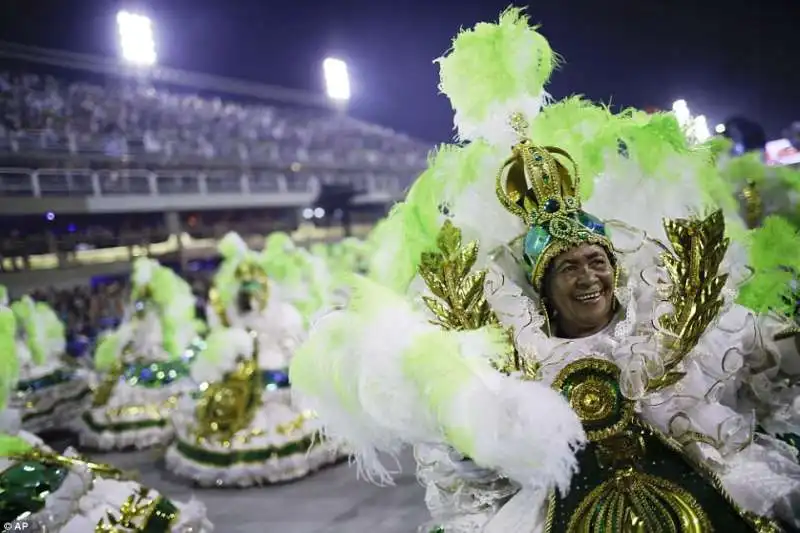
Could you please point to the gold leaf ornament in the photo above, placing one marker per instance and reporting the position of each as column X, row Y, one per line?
column 698, row 248
column 459, row 301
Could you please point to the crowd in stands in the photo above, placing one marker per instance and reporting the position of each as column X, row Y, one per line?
column 131, row 118
column 89, row 311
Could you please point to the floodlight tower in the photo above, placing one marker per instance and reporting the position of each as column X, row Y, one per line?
column 337, row 81
column 136, row 39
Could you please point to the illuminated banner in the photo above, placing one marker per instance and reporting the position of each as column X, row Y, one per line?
column 781, row 152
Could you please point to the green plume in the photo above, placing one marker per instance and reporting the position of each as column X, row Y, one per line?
column 494, row 64
column 774, row 248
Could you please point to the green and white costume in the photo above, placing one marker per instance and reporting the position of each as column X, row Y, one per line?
column 242, row 428
column 447, row 347
column 143, row 366
column 51, row 394
column 300, row 277
column 762, row 190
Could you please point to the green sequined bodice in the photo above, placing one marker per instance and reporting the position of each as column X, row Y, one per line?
column 633, row 479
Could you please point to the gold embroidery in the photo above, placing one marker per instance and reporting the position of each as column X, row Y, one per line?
column 592, row 390
column 631, row 501
column 134, row 514
column 634, row 502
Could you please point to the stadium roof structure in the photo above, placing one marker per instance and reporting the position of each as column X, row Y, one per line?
column 160, row 74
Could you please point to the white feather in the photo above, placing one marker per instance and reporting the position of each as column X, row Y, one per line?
column 143, row 270
column 495, row 127
column 209, row 368
column 623, row 192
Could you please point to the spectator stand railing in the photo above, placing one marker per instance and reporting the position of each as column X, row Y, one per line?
column 40, row 183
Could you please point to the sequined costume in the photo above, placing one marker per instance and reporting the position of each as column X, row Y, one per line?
column 242, row 428
column 143, row 366
column 41, row 490
column 50, row 393
column 646, row 424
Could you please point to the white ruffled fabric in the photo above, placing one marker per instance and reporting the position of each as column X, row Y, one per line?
column 107, row 495
column 56, row 406
column 162, row 400
column 267, row 431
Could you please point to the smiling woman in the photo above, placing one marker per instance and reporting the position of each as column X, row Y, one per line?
column 580, row 287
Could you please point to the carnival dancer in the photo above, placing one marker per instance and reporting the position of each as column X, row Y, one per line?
column 45, row 491
column 143, row 365
column 763, row 190
column 558, row 370
column 51, row 393
column 242, row 429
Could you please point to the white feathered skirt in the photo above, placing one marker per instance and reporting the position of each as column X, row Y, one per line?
column 281, row 444
column 137, row 412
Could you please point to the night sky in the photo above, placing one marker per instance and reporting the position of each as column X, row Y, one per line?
column 723, row 57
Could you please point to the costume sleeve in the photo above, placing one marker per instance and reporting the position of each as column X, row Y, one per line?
column 710, row 412
column 460, row 495
column 380, row 377
column 773, row 379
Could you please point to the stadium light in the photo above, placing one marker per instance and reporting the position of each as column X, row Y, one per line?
column 701, row 131
column 136, row 39
column 337, row 79
column 681, row 110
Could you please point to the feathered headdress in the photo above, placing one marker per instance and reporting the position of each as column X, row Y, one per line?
column 241, row 269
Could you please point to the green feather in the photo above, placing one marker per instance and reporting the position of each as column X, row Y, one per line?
column 774, row 247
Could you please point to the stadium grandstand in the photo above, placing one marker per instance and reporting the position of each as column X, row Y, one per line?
column 102, row 161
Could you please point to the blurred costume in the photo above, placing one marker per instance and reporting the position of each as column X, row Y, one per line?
column 45, row 491
column 477, row 338
column 50, row 393
column 242, row 428
column 346, row 258
column 762, row 190
column 297, row 276
column 143, row 366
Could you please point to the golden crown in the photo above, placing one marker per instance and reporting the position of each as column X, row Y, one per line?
column 536, row 186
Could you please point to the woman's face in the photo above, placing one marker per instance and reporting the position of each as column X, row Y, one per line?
column 580, row 290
